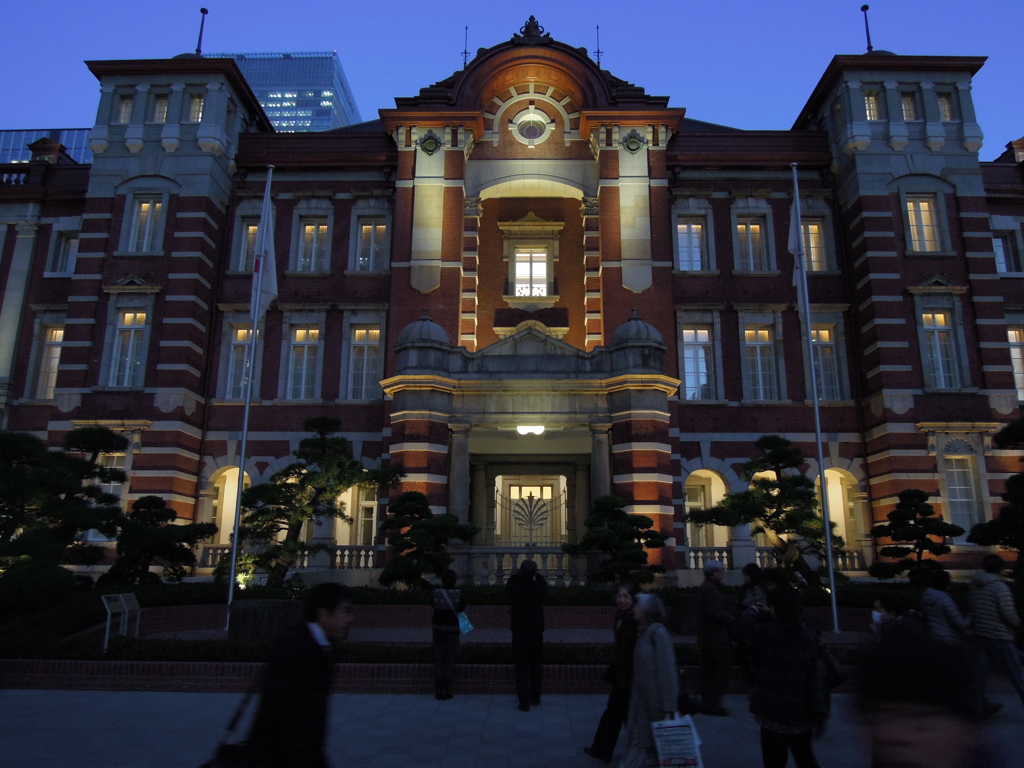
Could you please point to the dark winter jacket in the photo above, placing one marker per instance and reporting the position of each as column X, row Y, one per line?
column 713, row 619
column 625, row 645
column 785, row 653
column 993, row 614
column 945, row 622
column 527, row 598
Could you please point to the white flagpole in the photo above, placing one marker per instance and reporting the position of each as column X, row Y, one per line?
column 796, row 242
column 256, row 310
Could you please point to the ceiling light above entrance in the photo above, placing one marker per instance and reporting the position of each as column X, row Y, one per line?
column 526, row 430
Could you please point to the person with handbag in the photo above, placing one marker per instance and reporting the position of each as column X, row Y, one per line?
column 787, row 691
column 655, row 689
column 448, row 603
column 620, row 675
column 291, row 724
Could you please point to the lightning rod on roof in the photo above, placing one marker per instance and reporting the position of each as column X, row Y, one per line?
column 598, row 51
column 199, row 45
column 867, row 29
column 465, row 48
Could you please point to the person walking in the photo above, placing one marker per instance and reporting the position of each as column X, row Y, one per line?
column 993, row 621
column 713, row 622
column 291, row 723
column 526, row 590
column 655, row 688
column 444, row 624
column 785, row 654
column 751, row 608
column 945, row 622
column 620, row 675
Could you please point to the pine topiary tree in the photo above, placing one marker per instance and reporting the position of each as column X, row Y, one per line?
column 420, row 539
column 915, row 531
column 623, row 540
column 1006, row 530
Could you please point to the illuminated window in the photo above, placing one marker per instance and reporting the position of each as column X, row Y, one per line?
column 692, row 249
column 826, row 367
column 1016, row 339
column 814, row 244
column 195, row 108
column 873, row 105
column 364, row 378
column 147, row 220
column 49, row 360
column 531, row 273
column 370, row 248
column 922, row 223
column 698, row 363
column 115, row 461
column 303, row 362
column 247, row 246
column 753, row 254
column 947, row 112
column 312, row 245
column 1004, row 245
column 124, row 109
column 159, row 109
column 761, row 379
column 241, row 336
column 129, row 350
column 366, row 521
column 939, row 353
column 65, row 254
column 908, row 103
column 961, row 480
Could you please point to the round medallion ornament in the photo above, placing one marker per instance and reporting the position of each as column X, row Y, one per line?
column 430, row 143
column 634, row 142
column 531, row 126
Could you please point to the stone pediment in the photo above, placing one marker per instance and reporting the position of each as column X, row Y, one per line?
column 530, row 342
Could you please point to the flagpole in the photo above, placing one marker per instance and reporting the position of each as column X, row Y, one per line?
column 250, row 365
column 804, row 304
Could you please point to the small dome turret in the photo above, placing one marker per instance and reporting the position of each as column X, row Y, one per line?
column 423, row 330
column 636, row 329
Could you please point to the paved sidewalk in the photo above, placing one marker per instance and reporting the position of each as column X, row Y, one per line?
column 79, row 729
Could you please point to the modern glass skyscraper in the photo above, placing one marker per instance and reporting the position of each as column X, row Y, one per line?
column 304, row 91
column 14, row 144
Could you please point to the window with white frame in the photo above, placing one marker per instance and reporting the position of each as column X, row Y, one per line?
column 303, row 362
column 753, row 251
column 1004, row 246
column 366, row 519
column 128, row 360
column 312, row 252
column 942, row 369
column 873, row 105
column 761, row 380
column 908, row 103
column 245, row 257
column 112, row 461
column 947, row 107
column 364, row 355
column 65, row 254
column 146, row 224
column 922, row 223
column 124, row 109
column 691, row 244
column 195, row 108
column 697, row 497
column 826, row 362
column 960, row 477
column 160, row 105
column 370, row 253
column 531, row 272
column 699, row 362
column 815, row 257
column 51, row 338
column 238, row 354
column 1015, row 336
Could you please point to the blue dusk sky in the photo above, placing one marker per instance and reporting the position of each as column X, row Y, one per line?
column 739, row 63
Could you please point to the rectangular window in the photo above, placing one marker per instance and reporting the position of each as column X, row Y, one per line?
column 698, row 364
column 241, row 336
column 908, row 101
column 312, row 245
column 112, row 461
column 247, row 250
column 814, row 244
column 939, row 352
column 366, row 522
column 696, row 498
column 365, row 374
column 873, row 105
column 947, row 113
column 1016, row 338
column 531, row 273
column 922, row 223
column 65, row 254
column 126, row 369
column 147, row 218
column 124, row 109
column 160, row 109
column 826, row 365
column 962, row 491
column 753, row 256
column 195, row 109
column 692, row 250
column 370, row 255
column 304, row 354
column 49, row 360
column 1004, row 245
column 760, row 354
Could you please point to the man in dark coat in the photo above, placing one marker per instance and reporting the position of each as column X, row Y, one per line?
column 291, row 724
column 713, row 622
column 526, row 590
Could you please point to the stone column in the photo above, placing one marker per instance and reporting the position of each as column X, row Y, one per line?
column 99, row 136
column 458, row 473
column 490, row 520
column 170, row 134
column 478, row 510
column 133, row 135
column 600, row 461
column 894, row 107
column 973, row 137
column 934, row 130
column 743, row 547
column 14, row 301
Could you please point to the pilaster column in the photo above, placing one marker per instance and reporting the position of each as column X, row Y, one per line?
column 458, row 473
column 133, row 133
column 99, row 136
column 894, row 108
column 744, row 548
column 935, row 131
column 14, row 298
column 973, row 137
column 210, row 135
column 170, row 135
column 490, row 517
column 600, row 461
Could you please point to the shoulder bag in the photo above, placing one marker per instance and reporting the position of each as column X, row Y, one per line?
column 233, row 754
column 465, row 625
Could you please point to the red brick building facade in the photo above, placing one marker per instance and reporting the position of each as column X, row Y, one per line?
column 530, row 242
